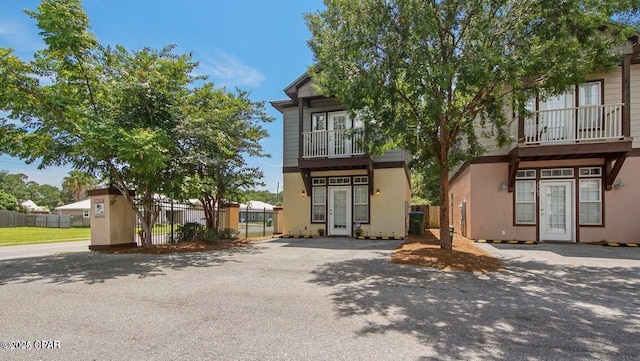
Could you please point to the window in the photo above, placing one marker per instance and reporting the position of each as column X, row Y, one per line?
column 591, row 171
column 360, row 180
column 361, row 204
column 526, row 174
column 590, row 201
column 319, row 204
column 526, row 202
column 319, row 181
column 589, row 99
column 85, row 213
column 556, row 173
column 591, row 196
column 318, row 122
column 339, row 180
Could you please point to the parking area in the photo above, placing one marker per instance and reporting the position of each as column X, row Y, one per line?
column 324, row 299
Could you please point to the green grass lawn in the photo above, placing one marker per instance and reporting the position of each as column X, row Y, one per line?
column 32, row 235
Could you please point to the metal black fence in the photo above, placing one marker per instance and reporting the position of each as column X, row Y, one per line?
column 171, row 214
column 256, row 222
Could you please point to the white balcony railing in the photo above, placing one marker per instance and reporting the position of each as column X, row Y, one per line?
column 332, row 143
column 587, row 123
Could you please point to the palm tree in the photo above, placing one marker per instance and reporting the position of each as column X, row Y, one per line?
column 77, row 183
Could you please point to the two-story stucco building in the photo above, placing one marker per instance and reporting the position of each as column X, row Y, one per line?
column 573, row 173
column 330, row 182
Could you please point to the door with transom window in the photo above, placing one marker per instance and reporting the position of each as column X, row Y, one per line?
column 339, row 211
column 556, row 211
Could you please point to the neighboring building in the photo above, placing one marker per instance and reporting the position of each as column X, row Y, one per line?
column 77, row 209
column 329, row 181
column 572, row 175
column 255, row 211
column 32, row 207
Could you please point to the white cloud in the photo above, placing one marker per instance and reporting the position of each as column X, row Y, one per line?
column 226, row 69
column 20, row 36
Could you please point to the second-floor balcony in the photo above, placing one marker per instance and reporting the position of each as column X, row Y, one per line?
column 332, row 143
column 592, row 123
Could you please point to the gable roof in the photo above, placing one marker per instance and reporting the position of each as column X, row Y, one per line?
column 292, row 89
column 82, row 205
column 33, row 207
column 256, row 206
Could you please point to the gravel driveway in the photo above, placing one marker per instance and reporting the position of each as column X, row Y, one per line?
column 322, row 299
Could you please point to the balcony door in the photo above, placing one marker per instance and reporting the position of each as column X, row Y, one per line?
column 339, row 141
column 339, row 211
column 557, row 117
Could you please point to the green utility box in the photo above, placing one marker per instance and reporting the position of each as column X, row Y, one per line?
column 416, row 223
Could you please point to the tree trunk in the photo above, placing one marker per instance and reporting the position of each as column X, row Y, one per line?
column 445, row 239
column 148, row 221
column 219, row 212
column 209, row 211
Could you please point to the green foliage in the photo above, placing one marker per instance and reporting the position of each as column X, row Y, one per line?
column 190, row 231
column 19, row 186
column 426, row 75
column 262, row 196
column 8, row 202
column 221, row 132
column 134, row 118
column 76, row 184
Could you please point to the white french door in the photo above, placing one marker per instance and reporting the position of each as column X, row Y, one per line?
column 557, row 115
column 339, row 211
column 557, row 221
column 339, row 142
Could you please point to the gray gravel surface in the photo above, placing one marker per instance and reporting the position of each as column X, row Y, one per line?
column 323, row 299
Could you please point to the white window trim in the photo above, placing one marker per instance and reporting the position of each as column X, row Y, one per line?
column 561, row 170
column 534, row 202
column 525, row 175
column 339, row 180
column 599, row 201
column 322, row 204
column 366, row 203
column 591, row 172
column 361, row 180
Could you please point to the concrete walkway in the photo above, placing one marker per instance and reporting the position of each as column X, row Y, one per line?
column 318, row 299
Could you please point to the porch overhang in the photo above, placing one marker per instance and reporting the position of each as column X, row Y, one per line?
column 613, row 152
column 307, row 166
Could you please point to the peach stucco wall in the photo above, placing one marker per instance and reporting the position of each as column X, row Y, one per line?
column 490, row 210
column 116, row 225
column 621, row 209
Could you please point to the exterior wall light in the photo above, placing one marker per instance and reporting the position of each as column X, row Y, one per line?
column 378, row 191
column 619, row 183
column 303, row 193
column 502, row 186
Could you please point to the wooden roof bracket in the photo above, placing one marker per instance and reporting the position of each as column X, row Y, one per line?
column 514, row 162
column 612, row 169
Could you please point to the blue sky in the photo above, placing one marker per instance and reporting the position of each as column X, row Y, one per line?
column 256, row 45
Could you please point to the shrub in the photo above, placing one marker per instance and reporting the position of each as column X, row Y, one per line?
column 228, row 233
column 189, row 231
